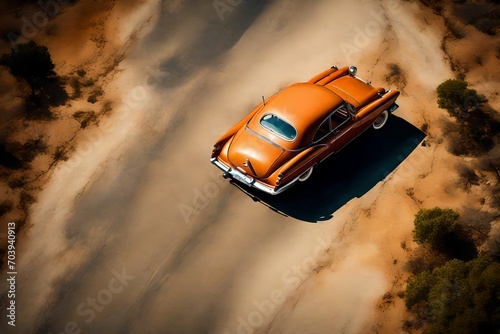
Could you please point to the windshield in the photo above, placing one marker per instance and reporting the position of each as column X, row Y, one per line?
column 278, row 126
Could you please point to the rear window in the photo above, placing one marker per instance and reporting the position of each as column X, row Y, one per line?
column 278, row 126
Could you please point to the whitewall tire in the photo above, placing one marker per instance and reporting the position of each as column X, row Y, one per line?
column 307, row 174
column 381, row 120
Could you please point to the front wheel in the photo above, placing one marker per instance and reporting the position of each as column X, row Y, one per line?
column 307, row 174
column 381, row 120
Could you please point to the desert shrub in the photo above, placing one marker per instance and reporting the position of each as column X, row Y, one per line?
column 18, row 156
column 25, row 200
column 431, row 225
column 491, row 163
column 441, row 231
column 92, row 98
column 95, row 94
column 84, row 117
column 467, row 175
column 456, row 97
column 107, row 106
column 396, row 76
column 31, row 148
column 7, row 159
column 31, row 62
column 425, row 127
column 477, row 222
column 478, row 123
column 5, row 206
column 60, row 154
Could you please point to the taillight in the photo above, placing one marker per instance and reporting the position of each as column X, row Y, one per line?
column 279, row 178
column 215, row 150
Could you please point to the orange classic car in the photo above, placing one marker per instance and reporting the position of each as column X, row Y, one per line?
column 285, row 137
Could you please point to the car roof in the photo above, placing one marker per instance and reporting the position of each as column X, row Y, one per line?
column 304, row 106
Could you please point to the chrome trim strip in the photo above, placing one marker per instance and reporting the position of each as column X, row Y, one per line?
column 346, row 93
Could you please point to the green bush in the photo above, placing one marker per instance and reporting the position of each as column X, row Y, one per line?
column 440, row 230
column 478, row 121
column 418, row 288
column 455, row 96
column 432, row 225
column 462, row 296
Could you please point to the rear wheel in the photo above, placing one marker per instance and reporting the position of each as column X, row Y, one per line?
column 307, row 174
column 381, row 120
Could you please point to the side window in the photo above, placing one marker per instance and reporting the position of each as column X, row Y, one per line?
column 339, row 116
column 342, row 113
column 352, row 111
column 323, row 130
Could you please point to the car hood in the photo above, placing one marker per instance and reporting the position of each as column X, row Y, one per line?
column 253, row 154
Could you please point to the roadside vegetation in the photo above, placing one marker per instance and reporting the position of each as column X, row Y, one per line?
column 454, row 284
column 25, row 153
column 476, row 127
column 40, row 89
column 454, row 288
column 32, row 66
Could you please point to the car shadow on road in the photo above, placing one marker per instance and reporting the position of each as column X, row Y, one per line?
column 349, row 174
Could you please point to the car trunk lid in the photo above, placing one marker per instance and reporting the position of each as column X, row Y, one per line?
column 252, row 154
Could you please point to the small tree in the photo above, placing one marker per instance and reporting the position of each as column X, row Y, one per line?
column 456, row 97
column 31, row 62
column 432, row 225
column 478, row 121
column 440, row 229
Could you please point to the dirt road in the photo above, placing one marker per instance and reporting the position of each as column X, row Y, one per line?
column 138, row 233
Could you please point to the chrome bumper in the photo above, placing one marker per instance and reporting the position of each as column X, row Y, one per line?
column 247, row 180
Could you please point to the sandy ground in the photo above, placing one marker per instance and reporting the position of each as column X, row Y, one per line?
column 138, row 233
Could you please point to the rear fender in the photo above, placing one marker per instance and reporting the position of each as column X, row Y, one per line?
column 322, row 75
column 289, row 169
column 380, row 104
column 335, row 75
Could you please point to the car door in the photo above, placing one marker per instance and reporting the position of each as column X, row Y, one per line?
column 322, row 137
column 343, row 128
